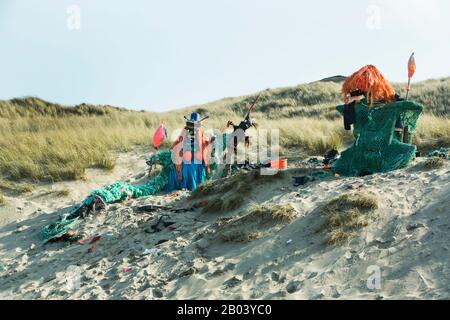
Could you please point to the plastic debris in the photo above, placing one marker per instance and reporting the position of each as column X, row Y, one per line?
column 83, row 241
column 126, row 269
column 95, row 239
column 289, row 242
column 151, row 251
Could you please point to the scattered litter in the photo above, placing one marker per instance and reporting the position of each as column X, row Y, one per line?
column 289, row 242
column 415, row 226
column 293, row 286
column 95, row 239
column 127, row 269
column 172, row 228
column 161, row 223
column 83, row 241
column 348, row 255
column 19, row 229
column 89, row 240
column 302, row 180
column 152, row 251
column 161, row 241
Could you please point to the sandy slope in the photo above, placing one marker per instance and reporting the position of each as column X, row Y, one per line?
column 408, row 241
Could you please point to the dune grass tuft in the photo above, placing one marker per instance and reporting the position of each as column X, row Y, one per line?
column 229, row 194
column 256, row 223
column 62, row 193
column 16, row 187
column 434, row 163
column 348, row 213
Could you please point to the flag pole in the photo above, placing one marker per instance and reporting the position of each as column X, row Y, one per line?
column 411, row 71
column 408, row 88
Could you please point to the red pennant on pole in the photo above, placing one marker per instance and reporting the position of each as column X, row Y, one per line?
column 411, row 66
column 411, row 71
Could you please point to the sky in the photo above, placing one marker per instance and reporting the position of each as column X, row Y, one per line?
column 162, row 55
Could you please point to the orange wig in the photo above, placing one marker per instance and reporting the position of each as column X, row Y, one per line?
column 370, row 82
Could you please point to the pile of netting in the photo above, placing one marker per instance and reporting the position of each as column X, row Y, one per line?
column 377, row 147
column 115, row 192
column 440, row 153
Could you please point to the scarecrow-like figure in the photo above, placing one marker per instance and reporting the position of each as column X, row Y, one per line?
column 239, row 133
column 191, row 154
column 376, row 113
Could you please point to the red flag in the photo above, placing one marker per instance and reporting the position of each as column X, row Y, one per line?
column 159, row 136
column 411, row 66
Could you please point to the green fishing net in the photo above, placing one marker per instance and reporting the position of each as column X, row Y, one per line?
column 377, row 148
column 115, row 192
column 441, row 153
column 120, row 191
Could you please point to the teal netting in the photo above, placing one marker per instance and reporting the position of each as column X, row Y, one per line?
column 115, row 192
column 376, row 147
column 441, row 153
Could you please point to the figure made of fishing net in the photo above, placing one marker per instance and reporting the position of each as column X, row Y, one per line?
column 191, row 155
column 377, row 115
column 239, row 132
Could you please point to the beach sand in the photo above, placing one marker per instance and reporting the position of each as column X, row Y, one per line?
column 407, row 242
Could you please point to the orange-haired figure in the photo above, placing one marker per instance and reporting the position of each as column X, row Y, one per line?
column 373, row 109
column 368, row 81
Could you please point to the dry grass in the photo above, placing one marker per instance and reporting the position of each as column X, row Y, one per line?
column 432, row 132
column 348, row 213
column 19, row 188
column 2, row 200
column 62, row 193
column 434, row 163
column 42, row 141
column 229, row 194
column 256, row 223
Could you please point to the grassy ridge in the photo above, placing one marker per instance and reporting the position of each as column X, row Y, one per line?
column 43, row 141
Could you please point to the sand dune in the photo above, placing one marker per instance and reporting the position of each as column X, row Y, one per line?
column 407, row 241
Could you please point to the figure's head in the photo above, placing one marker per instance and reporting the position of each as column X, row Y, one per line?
column 195, row 116
column 368, row 82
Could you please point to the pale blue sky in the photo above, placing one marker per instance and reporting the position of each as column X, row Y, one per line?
column 159, row 55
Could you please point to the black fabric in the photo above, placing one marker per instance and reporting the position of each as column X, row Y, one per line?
column 398, row 98
column 244, row 125
column 356, row 93
column 349, row 115
column 330, row 156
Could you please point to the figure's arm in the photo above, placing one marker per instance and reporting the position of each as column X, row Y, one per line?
column 405, row 105
column 409, row 111
column 177, row 141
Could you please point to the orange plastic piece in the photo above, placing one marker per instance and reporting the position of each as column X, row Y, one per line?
column 279, row 164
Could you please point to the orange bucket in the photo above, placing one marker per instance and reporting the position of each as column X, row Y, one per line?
column 279, row 164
